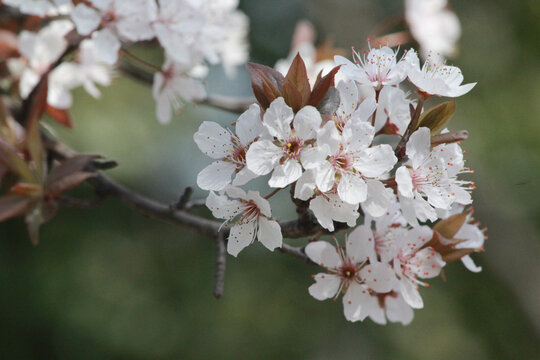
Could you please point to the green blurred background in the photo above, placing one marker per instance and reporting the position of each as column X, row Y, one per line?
column 107, row 283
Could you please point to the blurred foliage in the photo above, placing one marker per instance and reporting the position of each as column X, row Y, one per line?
column 107, row 283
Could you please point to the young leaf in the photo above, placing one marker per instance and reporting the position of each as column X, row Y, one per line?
column 10, row 158
column 266, row 82
column 68, row 182
column 437, row 117
column 61, row 116
column 321, row 87
column 13, row 205
column 296, row 90
column 68, row 167
column 450, row 226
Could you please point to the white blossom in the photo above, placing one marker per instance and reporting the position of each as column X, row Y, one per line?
column 282, row 156
column 171, row 86
column 435, row 77
column 349, row 272
column 41, row 8
column 230, row 150
column 433, row 26
column 377, row 68
column 251, row 215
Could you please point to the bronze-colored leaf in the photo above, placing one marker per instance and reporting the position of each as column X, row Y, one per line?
column 68, row 182
column 69, row 166
column 321, row 87
column 449, row 227
column 437, row 117
column 266, row 82
column 26, row 189
column 297, row 79
column 13, row 205
column 61, row 116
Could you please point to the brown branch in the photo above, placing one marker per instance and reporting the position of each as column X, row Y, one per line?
column 400, row 148
column 450, row 137
column 221, row 263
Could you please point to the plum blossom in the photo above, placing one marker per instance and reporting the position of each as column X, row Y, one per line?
column 355, row 272
column 435, row 77
column 433, row 26
column 292, row 133
column 230, row 150
column 172, row 85
column 193, row 30
column 350, row 108
column 41, row 50
column 433, row 174
column 41, row 8
column 327, row 207
column 389, row 306
column 393, row 113
column 128, row 20
column 347, row 161
column 87, row 72
column 252, row 219
column 414, row 261
column 377, row 68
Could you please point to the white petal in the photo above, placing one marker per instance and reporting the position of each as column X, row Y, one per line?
column 365, row 110
column 378, row 199
column 404, row 181
column 410, row 294
column 305, row 186
column 358, row 135
column 278, row 118
column 107, row 45
column 313, row 157
column 419, row 146
column 379, row 277
column 348, row 95
column 269, row 233
column 376, row 161
column 324, row 254
column 328, row 210
column 470, row 265
column 285, row 174
column 213, row 140
column 85, row 18
column 307, row 122
column 325, row 176
column 243, row 177
column 426, row 263
column 222, row 207
column 354, row 300
column 352, row 188
column 397, row 310
column 240, row 236
column 415, row 239
column 262, row 203
column 361, row 244
column 263, row 156
column 473, row 236
column 249, row 125
column 216, row 176
column 326, row 286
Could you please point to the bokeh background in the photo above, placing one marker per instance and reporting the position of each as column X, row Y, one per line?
column 107, row 283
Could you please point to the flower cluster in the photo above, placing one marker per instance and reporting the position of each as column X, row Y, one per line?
column 363, row 146
column 191, row 33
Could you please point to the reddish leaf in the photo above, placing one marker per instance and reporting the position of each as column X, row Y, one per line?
column 59, row 115
column 26, row 189
column 456, row 254
column 13, row 205
column 266, row 82
column 321, row 87
column 450, row 226
column 297, row 79
column 68, row 182
column 67, row 167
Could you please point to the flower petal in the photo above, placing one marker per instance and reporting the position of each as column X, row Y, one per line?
column 241, row 236
column 326, row 286
column 285, row 174
column 378, row 276
column 419, row 147
column 213, row 140
column 216, row 176
column 249, row 125
column 269, row 233
column 278, row 118
column 410, row 294
column 324, row 254
column 360, row 244
column 352, row 188
column 307, row 122
column 222, row 207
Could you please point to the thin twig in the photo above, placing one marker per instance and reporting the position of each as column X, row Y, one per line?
column 450, row 137
column 298, row 252
column 400, row 148
column 221, row 264
column 273, row 193
column 186, row 195
column 138, row 60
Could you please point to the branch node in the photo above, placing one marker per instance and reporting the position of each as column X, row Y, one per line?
column 182, row 202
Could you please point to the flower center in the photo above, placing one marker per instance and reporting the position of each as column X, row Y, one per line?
column 293, row 148
column 250, row 211
column 341, row 162
column 348, row 271
column 239, row 157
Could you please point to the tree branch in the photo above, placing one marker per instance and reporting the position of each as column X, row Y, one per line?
column 221, row 262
